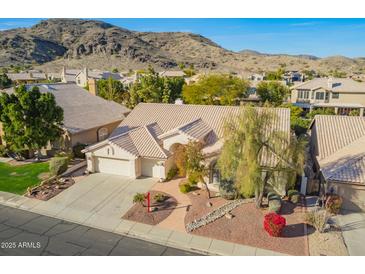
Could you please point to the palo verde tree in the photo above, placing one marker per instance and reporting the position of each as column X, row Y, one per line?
column 249, row 143
column 112, row 90
column 30, row 119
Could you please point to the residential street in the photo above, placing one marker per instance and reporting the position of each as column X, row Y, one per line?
column 26, row 233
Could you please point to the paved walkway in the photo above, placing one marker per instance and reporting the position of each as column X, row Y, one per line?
column 353, row 231
column 175, row 220
column 5, row 160
column 26, row 233
column 100, row 200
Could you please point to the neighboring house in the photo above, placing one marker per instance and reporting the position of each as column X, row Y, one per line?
column 256, row 77
column 27, row 77
column 293, row 76
column 338, row 151
column 69, row 75
column 87, row 118
column 253, row 97
column 172, row 73
column 83, row 76
column 343, row 95
column 144, row 143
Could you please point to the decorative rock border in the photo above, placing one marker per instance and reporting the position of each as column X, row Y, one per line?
column 216, row 214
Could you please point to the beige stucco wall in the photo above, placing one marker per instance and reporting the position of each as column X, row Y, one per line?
column 81, row 79
column 91, row 136
column 353, row 195
column 174, row 139
column 344, row 97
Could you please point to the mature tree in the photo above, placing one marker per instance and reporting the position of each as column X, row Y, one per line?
column 152, row 88
column 220, row 89
column 30, row 119
column 273, row 92
column 247, row 143
column 5, row 82
column 112, row 90
column 275, row 75
column 298, row 123
column 320, row 111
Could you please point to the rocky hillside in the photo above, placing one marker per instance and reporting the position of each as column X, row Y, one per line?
column 75, row 43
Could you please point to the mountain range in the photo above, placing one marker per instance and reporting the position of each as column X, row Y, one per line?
column 76, row 43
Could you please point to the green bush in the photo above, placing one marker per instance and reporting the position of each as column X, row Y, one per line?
column 3, row 151
column 172, row 173
column 294, row 196
column 185, row 187
column 159, row 197
column 77, row 150
column 227, row 190
column 275, row 205
column 58, row 165
column 193, row 179
column 139, row 198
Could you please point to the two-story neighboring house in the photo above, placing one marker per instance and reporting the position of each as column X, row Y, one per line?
column 341, row 94
column 83, row 76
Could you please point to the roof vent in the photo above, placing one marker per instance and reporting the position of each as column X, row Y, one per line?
column 179, row 101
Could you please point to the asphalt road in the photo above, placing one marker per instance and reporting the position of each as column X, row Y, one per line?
column 25, row 233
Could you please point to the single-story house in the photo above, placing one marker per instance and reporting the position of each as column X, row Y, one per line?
column 88, row 119
column 172, row 73
column 338, row 151
column 27, row 77
column 143, row 144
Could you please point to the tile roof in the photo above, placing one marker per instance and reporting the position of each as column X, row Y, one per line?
column 337, row 85
column 194, row 120
column 27, row 76
column 341, row 147
column 82, row 110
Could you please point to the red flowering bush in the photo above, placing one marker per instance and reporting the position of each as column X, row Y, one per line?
column 274, row 224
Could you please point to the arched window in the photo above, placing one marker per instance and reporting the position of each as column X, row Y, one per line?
column 102, row 134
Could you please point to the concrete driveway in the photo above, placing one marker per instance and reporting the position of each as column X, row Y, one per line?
column 98, row 200
column 353, row 231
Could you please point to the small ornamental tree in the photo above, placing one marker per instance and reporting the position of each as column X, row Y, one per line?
column 274, row 224
column 5, row 82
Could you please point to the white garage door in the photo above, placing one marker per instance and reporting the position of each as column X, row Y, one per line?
column 113, row 166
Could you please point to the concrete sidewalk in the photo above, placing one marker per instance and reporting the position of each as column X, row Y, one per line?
column 353, row 231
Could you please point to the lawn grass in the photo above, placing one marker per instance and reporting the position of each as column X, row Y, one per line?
column 16, row 179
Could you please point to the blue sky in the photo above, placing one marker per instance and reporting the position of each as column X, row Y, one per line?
column 320, row 37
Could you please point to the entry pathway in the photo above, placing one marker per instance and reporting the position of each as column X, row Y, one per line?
column 26, row 233
column 100, row 200
column 353, row 230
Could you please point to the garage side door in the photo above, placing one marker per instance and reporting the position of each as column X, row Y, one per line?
column 113, row 166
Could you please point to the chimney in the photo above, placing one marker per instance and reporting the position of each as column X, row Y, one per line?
column 93, row 88
column 30, row 75
column 86, row 72
column 330, row 83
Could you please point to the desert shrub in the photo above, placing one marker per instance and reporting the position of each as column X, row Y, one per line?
column 139, row 198
column 172, row 173
column 77, row 151
column 318, row 219
column 193, row 178
column 274, row 224
column 333, row 203
column 294, row 196
column 275, row 205
column 58, row 165
column 69, row 154
column 3, row 151
column 227, row 190
column 185, row 187
column 159, row 197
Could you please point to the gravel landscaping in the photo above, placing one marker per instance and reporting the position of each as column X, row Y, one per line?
column 246, row 226
column 138, row 212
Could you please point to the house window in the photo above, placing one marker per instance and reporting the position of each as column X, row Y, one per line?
column 303, row 94
column 319, row 95
column 102, row 134
column 335, row 95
